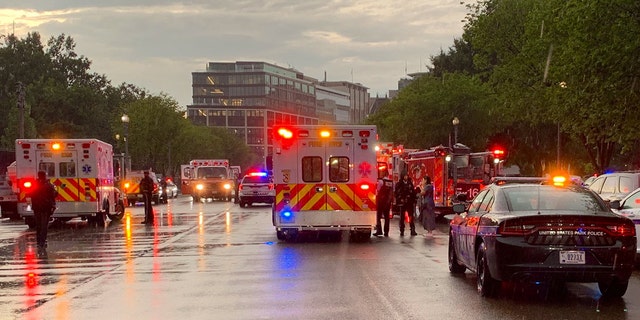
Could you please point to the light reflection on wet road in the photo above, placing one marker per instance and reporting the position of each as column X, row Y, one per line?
column 219, row 261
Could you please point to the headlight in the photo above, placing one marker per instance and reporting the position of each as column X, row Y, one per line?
column 227, row 186
column 199, row 186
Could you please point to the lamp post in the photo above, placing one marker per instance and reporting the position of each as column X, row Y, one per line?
column 125, row 122
column 455, row 123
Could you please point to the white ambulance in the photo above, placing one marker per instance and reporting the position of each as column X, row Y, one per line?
column 80, row 169
column 325, row 179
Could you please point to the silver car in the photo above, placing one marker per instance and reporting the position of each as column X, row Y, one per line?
column 629, row 207
column 615, row 186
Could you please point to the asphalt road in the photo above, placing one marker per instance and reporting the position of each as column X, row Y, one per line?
column 216, row 260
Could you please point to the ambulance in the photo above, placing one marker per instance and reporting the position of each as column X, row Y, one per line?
column 81, row 171
column 325, row 179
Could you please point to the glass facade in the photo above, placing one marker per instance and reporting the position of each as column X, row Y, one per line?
column 248, row 98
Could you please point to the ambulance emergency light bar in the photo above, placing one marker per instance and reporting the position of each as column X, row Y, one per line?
column 286, row 133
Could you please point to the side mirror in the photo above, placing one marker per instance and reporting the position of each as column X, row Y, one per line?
column 615, row 204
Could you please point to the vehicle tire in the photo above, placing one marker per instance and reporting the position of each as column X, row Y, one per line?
column 454, row 266
column 242, row 204
column 196, row 198
column 486, row 284
column 30, row 221
column 613, row 289
column 280, row 235
column 119, row 212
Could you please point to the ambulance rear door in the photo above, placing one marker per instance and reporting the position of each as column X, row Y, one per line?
column 61, row 168
column 325, row 172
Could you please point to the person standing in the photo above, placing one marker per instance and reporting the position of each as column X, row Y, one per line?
column 406, row 197
column 146, row 187
column 43, row 201
column 427, row 206
column 383, row 205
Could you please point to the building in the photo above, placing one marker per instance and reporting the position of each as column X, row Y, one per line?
column 249, row 97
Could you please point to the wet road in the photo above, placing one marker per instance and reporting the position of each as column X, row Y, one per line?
column 219, row 261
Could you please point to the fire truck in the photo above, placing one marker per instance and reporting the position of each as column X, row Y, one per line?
column 208, row 178
column 325, row 179
column 453, row 171
column 81, row 171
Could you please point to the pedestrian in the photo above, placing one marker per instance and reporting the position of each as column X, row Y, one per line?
column 384, row 191
column 427, row 206
column 43, row 202
column 146, row 187
column 406, row 197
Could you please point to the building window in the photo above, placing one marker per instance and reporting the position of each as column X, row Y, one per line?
column 255, row 118
column 236, row 118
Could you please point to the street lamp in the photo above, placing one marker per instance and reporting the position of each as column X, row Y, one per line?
column 125, row 122
column 455, row 123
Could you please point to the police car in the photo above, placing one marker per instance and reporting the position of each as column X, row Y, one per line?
column 256, row 187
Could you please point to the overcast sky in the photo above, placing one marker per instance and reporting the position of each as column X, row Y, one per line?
column 156, row 44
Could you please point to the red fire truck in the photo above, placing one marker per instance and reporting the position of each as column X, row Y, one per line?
column 453, row 171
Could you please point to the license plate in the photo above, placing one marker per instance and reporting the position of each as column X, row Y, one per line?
column 572, row 257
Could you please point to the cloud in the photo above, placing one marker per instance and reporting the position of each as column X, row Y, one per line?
column 157, row 44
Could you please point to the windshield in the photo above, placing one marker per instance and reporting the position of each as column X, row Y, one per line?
column 211, row 172
column 549, row 198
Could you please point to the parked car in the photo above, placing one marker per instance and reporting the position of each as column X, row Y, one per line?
column 614, row 186
column 629, row 207
column 523, row 230
column 256, row 187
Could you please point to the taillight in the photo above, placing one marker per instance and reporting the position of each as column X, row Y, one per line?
column 622, row 230
column 271, row 186
column 240, row 187
column 517, row 227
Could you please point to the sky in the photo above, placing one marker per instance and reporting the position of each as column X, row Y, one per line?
column 157, row 44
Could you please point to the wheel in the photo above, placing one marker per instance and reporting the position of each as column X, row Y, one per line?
column 119, row 212
column 280, row 235
column 454, row 266
column 242, row 204
column 486, row 284
column 613, row 289
column 196, row 198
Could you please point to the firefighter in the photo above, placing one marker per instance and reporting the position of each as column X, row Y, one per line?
column 406, row 197
column 43, row 200
column 383, row 204
column 146, row 187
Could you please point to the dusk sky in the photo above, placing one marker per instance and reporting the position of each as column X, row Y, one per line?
column 157, row 44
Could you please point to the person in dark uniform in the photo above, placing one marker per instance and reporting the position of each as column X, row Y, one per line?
column 146, row 187
column 384, row 192
column 43, row 201
column 406, row 196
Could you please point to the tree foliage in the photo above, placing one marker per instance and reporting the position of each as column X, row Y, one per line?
column 64, row 99
column 555, row 80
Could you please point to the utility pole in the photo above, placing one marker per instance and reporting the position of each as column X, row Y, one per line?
column 20, row 104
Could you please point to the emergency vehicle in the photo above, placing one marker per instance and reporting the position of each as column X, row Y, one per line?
column 8, row 196
column 453, row 171
column 208, row 178
column 325, row 179
column 81, row 171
